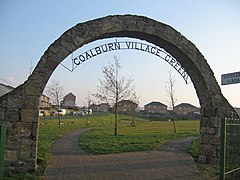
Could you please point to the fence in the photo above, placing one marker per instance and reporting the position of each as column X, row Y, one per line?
column 2, row 148
column 230, row 149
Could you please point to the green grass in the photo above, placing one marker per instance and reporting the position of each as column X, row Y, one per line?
column 49, row 131
column 145, row 136
column 211, row 171
column 194, row 149
column 23, row 176
column 100, row 140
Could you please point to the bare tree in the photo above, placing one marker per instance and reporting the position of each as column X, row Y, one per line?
column 171, row 94
column 114, row 88
column 55, row 92
column 89, row 101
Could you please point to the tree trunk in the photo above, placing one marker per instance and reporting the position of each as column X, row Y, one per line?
column 174, row 123
column 116, row 122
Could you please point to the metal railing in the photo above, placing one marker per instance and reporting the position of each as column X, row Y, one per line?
column 2, row 148
column 230, row 148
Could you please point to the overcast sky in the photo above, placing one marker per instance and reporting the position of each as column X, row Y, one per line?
column 28, row 27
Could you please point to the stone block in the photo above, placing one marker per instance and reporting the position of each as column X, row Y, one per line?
column 210, row 111
column 216, row 122
column 10, row 155
column 30, row 119
column 217, row 131
column 208, row 149
column 31, row 102
column 2, row 114
column 29, row 115
column 26, row 166
column 33, row 90
column 141, row 26
column 217, row 140
column 205, row 121
column 22, row 129
column 201, row 138
column 12, row 115
column 3, row 101
column 34, row 129
column 210, row 130
column 205, row 139
column 27, row 149
column 78, row 40
column 202, row 159
column 203, row 130
column 218, row 150
column 12, row 143
column 15, row 99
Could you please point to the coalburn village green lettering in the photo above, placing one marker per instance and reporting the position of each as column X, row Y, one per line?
column 132, row 46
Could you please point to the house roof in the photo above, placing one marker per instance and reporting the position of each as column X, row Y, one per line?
column 237, row 110
column 45, row 96
column 4, row 89
column 155, row 103
column 7, row 86
column 69, row 95
column 127, row 102
column 103, row 104
column 185, row 105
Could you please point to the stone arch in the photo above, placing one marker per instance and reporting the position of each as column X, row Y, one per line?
column 19, row 108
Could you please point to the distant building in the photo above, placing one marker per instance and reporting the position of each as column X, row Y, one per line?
column 44, row 102
column 155, row 108
column 238, row 111
column 69, row 101
column 4, row 89
column 127, row 106
column 104, row 107
column 185, row 109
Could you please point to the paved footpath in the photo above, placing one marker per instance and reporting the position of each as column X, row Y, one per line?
column 170, row 162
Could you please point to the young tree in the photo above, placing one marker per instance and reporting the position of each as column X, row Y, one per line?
column 55, row 92
column 114, row 88
column 89, row 101
column 171, row 94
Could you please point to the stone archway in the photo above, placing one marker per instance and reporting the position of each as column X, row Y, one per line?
column 19, row 108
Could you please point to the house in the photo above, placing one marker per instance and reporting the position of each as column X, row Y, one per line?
column 185, row 109
column 237, row 110
column 94, row 107
column 155, row 108
column 4, row 89
column 127, row 106
column 103, row 107
column 44, row 102
column 69, row 101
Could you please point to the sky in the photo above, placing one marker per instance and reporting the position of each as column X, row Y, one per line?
column 28, row 27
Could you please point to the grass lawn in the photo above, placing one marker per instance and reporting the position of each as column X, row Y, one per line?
column 49, row 131
column 100, row 140
column 145, row 136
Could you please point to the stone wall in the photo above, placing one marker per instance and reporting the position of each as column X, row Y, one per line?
column 210, row 139
column 20, row 115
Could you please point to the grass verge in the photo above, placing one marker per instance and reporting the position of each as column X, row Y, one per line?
column 211, row 171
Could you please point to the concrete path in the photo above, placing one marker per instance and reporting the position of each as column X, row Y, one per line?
column 170, row 161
